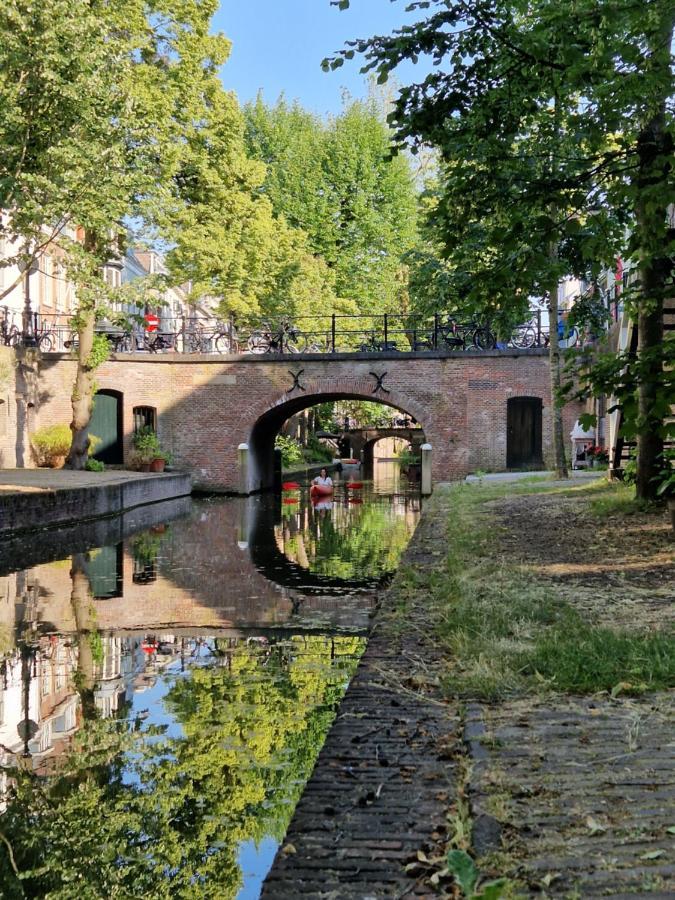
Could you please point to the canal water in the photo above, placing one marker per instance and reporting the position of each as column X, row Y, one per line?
column 167, row 679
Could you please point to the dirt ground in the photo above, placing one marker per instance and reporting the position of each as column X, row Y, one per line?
column 616, row 568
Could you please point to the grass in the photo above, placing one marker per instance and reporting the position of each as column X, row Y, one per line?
column 506, row 632
column 619, row 499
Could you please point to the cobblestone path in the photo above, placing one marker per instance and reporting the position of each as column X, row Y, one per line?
column 580, row 793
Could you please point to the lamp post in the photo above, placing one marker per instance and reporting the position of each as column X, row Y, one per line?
column 27, row 329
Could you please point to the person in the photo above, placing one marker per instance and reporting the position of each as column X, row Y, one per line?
column 323, row 479
column 338, row 467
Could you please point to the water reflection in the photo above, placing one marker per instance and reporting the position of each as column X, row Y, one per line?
column 163, row 696
column 208, row 746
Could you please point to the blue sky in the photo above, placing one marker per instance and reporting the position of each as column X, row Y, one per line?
column 278, row 45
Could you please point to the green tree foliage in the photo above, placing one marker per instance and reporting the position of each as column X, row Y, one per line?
column 338, row 182
column 132, row 813
column 94, row 98
column 228, row 240
column 555, row 125
column 112, row 115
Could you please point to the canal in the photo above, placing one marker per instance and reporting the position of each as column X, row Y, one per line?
column 168, row 678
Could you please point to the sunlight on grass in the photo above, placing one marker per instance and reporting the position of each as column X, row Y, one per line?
column 506, row 632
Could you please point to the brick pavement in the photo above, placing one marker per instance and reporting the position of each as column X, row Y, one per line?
column 385, row 777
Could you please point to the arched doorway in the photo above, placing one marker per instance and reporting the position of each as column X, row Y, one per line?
column 106, row 424
column 523, row 433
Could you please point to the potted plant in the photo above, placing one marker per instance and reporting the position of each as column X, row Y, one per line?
column 149, row 453
column 161, row 459
column 52, row 443
column 146, row 444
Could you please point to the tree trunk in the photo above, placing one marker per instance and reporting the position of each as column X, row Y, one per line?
column 559, row 462
column 655, row 147
column 81, row 602
column 82, row 396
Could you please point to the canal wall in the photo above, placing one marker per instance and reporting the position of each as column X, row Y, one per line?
column 44, row 497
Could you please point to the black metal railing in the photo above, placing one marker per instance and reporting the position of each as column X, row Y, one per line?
column 336, row 333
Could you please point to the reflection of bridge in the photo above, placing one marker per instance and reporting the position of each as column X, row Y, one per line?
column 200, row 568
column 477, row 410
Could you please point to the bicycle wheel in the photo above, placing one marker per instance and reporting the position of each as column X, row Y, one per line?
column 45, row 343
column 524, row 337
column 14, row 337
column 483, row 339
column 258, row 342
column 452, row 342
column 569, row 339
column 225, row 344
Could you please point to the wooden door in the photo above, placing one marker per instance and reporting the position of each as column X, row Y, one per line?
column 523, row 434
column 106, row 423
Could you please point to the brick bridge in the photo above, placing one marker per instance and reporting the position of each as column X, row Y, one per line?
column 482, row 410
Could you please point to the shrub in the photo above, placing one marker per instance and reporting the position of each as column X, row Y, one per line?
column 291, row 450
column 95, row 465
column 53, row 441
column 146, row 442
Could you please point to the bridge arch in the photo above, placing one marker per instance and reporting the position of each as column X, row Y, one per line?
column 269, row 423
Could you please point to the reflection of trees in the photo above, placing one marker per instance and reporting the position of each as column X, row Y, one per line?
column 131, row 813
column 353, row 542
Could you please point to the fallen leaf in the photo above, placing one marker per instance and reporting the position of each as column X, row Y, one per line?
column 594, row 826
column 653, row 854
column 288, row 849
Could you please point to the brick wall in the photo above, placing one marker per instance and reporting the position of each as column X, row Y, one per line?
column 207, row 407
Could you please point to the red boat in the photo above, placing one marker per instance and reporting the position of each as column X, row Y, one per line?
column 321, row 490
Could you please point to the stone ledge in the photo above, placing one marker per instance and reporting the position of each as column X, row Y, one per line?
column 42, row 498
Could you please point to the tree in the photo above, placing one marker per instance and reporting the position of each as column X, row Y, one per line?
column 338, row 182
column 93, row 101
column 226, row 238
column 553, row 122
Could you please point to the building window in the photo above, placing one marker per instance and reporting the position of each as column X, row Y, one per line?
column 145, row 417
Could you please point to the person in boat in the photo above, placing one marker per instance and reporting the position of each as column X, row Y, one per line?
column 323, row 479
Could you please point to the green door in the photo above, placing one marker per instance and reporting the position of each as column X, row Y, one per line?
column 106, row 423
column 104, row 568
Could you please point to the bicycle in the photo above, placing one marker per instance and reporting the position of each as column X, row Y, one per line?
column 9, row 333
column 375, row 345
column 285, row 339
column 156, row 341
column 468, row 336
column 222, row 339
column 524, row 337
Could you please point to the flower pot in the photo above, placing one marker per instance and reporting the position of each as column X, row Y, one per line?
column 145, row 467
column 157, row 465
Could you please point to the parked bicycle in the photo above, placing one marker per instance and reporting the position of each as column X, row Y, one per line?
column 524, row 337
column 465, row 336
column 10, row 335
column 374, row 345
column 284, row 339
column 156, row 341
column 222, row 338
